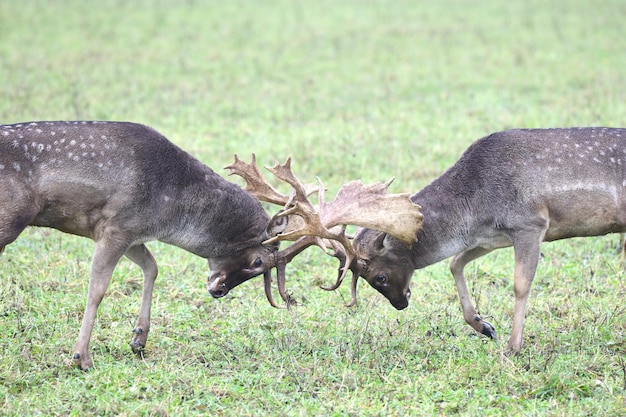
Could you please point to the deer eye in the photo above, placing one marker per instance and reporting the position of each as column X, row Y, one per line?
column 257, row 263
column 381, row 279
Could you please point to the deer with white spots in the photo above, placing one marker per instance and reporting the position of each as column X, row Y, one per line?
column 124, row 184
column 512, row 188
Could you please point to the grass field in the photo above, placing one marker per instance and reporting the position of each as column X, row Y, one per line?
column 351, row 89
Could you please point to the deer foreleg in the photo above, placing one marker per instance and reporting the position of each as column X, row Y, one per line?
column 471, row 316
column 141, row 256
column 104, row 261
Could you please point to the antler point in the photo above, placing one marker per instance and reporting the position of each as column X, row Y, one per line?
column 387, row 183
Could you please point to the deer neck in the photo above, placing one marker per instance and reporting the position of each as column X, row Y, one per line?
column 448, row 222
column 212, row 217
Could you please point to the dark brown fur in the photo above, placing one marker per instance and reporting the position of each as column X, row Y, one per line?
column 124, row 184
column 513, row 188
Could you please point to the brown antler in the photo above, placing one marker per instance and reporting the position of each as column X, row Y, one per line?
column 324, row 225
column 356, row 204
column 256, row 184
column 370, row 206
column 311, row 221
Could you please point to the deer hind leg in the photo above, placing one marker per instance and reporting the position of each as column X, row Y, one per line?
column 527, row 251
column 471, row 316
column 142, row 257
column 106, row 257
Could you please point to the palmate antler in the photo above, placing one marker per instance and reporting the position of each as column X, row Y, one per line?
column 368, row 206
column 324, row 225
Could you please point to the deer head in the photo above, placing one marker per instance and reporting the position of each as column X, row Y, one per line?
column 324, row 225
column 386, row 264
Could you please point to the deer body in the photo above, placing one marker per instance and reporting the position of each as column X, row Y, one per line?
column 513, row 188
column 122, row 185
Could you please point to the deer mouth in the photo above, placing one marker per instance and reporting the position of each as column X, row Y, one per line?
column 219, row 283
column 216, row 285
column 401, row 305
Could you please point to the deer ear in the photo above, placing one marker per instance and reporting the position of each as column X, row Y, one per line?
column 277, row 225
column 388, row 241
column 381, row 243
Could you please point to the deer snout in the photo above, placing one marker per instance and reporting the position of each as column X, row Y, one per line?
column 216, row 285
column 402, row 303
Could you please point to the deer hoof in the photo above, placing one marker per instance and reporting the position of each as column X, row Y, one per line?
column 137, row 347
column 84, row 363
column 488, row 330
column 508, row 352
column 138, row 344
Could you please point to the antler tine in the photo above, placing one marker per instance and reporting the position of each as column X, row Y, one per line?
column 299, row 205
column 256, row 184
column 346, row 257
column 267, row 284
column 284, row 173
column 341, row 273
column 355, row 282
column 285, row 256
column 301, row 191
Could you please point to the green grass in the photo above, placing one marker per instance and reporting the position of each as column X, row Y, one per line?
column 351, row 89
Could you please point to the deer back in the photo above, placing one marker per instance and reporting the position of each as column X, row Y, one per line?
column 575, row 175
column 572, row 178
column 83, row 177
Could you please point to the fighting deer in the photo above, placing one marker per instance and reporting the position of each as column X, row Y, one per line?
column 512, row 188
column 123, row 185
